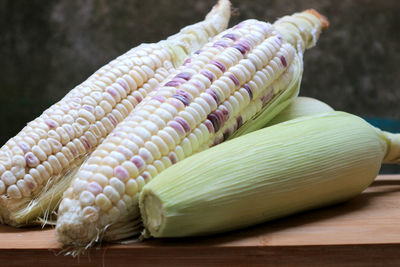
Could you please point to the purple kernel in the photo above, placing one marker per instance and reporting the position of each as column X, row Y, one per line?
column 184, row 93
column 182, row 99
column 183, row 75
column 240, row 48
column 172, row 84
column 214, row 95
column 220, row 116
column 225, row 111
column 31, row 160
column 112, row 119
column 239, row 121
column 86, row 143
column 145, row 175
column 283, row 60
column 124, row 84
column 89, row 108
column 177, row 104
column 234, row 79
column 94, row 188
column 24, row 146
column 230, row 36
column 226, row 135
column 198, row 52
column 248, row 89
column 220, row 43
column 265, row 98
column 159, row 98
column 179, row 80
column 138, row 98
column 139, row 162
column 121, row 173
column 209, row 126
column 183, row 123
column 219, row 65
column 208, row 74
column 112, row 91
column 245, row 44
column 215, row 121
column 177, row 127
column 187, row 61
column 51, row 123
column 172, row 157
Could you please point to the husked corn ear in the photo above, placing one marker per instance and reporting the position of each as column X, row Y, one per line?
column 216, row 90
column 290, row 167
column 32, row 162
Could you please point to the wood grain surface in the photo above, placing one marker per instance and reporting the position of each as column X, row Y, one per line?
column 364, row 231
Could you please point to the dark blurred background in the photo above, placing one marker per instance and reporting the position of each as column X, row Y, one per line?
column 48, row 47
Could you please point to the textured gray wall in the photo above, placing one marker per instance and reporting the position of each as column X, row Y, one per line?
column 48, row 47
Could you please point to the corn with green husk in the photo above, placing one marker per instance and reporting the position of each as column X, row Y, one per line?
column 37, row 165
column 224, row 84
column 290, row 167
column 301, row 106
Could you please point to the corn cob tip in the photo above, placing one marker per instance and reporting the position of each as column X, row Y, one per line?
column 324, row 21
column 223, row 7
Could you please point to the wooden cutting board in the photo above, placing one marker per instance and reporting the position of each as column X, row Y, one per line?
column 362, row 232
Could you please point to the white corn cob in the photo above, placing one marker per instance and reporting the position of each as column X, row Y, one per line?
column 60, row 139
column 217, row 89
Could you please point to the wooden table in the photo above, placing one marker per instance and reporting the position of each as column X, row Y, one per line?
column 362, row 232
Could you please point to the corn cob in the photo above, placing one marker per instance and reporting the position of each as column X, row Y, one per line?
column 293, row 166
column 215, row 91
column 60, row 139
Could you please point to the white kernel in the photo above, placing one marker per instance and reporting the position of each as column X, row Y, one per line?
column 8, row 178
column 118, row 185
column 78, row 129
column 180, row 152
column 55, row 145
column 101, row 179
column 173, row 134
column 18, row 171
column 131, row 168
column 23, row 188
column 13, row 191
column 86, row 198
column 159, row 165
column 107, row 124
column 152, row 171
column 19, row 160
column 146, row 155
column 103, row 202
column 62, row 159
column 111, row 193
column 2, row 187
column 110, row 161
column 187, row 147
column 140, row 182
column 90, row 214
column 55, row 164
column 166, row 161
column 118, row 156
column 39, row 153
column 131, row 187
